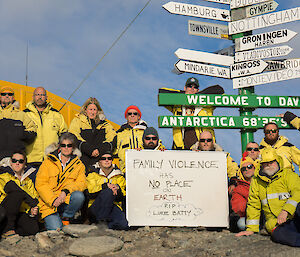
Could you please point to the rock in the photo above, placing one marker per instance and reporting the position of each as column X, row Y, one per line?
column 78, row 229
column 12, row 240
column 6, row 253
column 43, row 241
column 94, row 246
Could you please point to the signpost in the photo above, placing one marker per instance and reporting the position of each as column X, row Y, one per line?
column 197, row 11
column 207, row 29
column 242, row 3
column 247, row 68
column 262, row 53
column 264, row 39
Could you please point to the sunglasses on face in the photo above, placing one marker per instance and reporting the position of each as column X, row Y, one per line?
column 249, row 149
column 66, row 145
column 106, row 158
column 132, row 113
column 269, row 131
column 13, row 160
column 9, row 94
column 192, row 86
column 249, row 166
column 151, row 138
column 202, row 140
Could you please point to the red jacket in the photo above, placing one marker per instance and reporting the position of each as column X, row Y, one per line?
column 240, row 197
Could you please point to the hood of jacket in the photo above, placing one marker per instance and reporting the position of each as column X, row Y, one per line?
column 280, row 142
column 30, row 106
column 217, row 147
column 141, row 125
column 53, row 149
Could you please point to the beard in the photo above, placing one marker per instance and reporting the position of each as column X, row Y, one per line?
column 270, row 171
column 151, row 145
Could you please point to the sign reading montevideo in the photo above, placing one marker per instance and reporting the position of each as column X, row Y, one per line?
column 174, row 188
column 207, row 29
column 197, row 11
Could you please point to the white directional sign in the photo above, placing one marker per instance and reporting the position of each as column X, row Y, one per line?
column 242, row 3
column 220, row 1
column 264, row 21
column 275, row 65
column 265, row 78
column 197, row 56
column 262, row 53
column 203, row 69
column 292, row 63
column 207, row 29
column 260, row 9
column 197, row 11
column 264, row 39
column 247, row 68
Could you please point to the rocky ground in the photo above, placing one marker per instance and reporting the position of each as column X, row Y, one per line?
column 92, row 240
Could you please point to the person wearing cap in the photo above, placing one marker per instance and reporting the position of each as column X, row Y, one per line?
column 283, row 147
column 50, row 125
column 16, row 129
column 184, row 138
column 92, row 130
column 129, row 136
column 106, row 188
column 276, row 191
column 151, row 140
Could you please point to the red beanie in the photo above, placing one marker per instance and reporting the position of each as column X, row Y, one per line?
column 133, row 107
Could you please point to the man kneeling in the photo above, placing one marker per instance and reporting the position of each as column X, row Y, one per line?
column 106, row 186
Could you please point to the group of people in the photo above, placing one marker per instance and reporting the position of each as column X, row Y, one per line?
column 49, row 173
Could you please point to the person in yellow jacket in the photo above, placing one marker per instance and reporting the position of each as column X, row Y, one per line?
column 50, row 125
column 91, row 130
column 60, row 183
column 106, row 187
column 129, row 136
column 285, row 149
column 276, row 191
column 291, row 119
column 18, row 199
column 16, row 129
column 184, row 138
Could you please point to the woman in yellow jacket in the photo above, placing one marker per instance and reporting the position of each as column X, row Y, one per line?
column 106, row 187
column 18, row 198
column 60, row 183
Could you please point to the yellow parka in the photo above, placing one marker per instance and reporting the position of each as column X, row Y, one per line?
column 128, row 138
column 286, row 150
column 272, row 195
column 51, row 180
column 97, row 179
column 50, row 125
column 292, row 119
column 24, row 184
column 160, row 146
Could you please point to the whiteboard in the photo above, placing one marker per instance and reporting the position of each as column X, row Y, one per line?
column 176, row 188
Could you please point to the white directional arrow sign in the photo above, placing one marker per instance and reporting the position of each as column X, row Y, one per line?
column 220, row 1
column 265, row 78
column 264, row 21
column 242, row 3
column 247, row 68
column 203, row 69
column 197, row 56
column 207, row 29
column 275, row 65
column 260, row 9
column 262, row 53
column 197, row 11
column 264, row 39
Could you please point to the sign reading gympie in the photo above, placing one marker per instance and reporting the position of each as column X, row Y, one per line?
column 176, row 188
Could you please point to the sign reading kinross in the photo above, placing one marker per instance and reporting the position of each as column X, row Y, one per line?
column 176, row 188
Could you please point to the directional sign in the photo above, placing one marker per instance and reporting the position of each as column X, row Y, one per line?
column 262, row 53
column 254, row 10
column 197, row 11
column 205, row 57
column 247, row 68
column 242, row 3
column 265, row 78
column 207, row 29
column 264, row 39
column 292, row 63
column 229, row 51
column 275, row 65
column 246, row 101
column 264, row 21
column 203, row 69
column 224, row 122
column 220, row 1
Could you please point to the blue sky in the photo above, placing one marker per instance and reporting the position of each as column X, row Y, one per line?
column 68, row 37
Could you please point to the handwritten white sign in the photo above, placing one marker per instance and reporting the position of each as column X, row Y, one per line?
column 176, row 188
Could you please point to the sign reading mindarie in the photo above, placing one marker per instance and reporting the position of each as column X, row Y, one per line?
column 176, row 188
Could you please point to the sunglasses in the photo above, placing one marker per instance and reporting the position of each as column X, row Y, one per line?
column 66, row 145
column 13, row 160
column 249, row 166
column 249, row 149
column 149, row 138
column 132, row 113
column 106, row 158
column 192, row 86
column 9, row 94
column 202, row 140
column 269, row 131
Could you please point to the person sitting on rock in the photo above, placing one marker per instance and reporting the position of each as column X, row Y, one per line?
column 19, row 199
column 106, row 187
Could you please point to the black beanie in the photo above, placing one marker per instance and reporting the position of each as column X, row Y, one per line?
column 106, row 148
column 150, row 131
